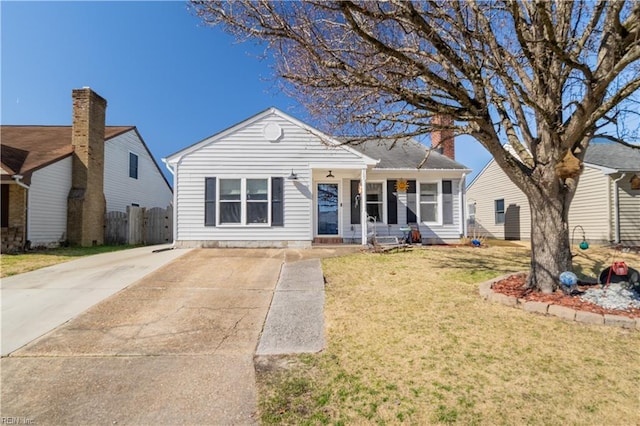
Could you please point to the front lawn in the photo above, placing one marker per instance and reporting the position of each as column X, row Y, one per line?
column 409, row 340
column 13, row 264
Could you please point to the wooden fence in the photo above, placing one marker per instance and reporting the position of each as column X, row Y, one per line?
column 139, row 226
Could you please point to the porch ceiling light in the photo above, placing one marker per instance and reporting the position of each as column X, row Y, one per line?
column 292, row 176
column 330, row 175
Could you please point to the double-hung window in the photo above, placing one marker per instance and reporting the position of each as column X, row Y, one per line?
column 375, row 201
column 243, row 201
column 230, row 201
column 429, row 202
column 499, row 211
column 257, row 201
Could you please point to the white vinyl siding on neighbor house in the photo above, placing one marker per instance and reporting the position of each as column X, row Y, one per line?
column 148, row 189
column 590, row 208
column 491, row 185
column 629, row 210
column 243, row 152
column 47, row 208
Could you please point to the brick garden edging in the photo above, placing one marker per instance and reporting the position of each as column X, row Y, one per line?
column 543, row 308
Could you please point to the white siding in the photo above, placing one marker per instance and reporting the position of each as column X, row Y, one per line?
column 148, row 190
column 47, row 209
column 492, row 184
column 431, row 233
column 629, row 210
column 590, row 207
column 246, row 153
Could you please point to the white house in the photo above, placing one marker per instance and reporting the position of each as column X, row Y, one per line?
column 58, row 181
column 274, row 181
column 606, row 205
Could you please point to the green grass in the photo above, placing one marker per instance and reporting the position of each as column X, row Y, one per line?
column 13, row 264
column 410, row 341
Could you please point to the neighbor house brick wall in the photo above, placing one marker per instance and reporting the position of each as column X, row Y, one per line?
column 86, row 208
column 13, row 237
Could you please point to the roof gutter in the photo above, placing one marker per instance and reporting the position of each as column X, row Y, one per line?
column 18, row 180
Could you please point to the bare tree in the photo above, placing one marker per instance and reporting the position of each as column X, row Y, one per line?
column 544, row 76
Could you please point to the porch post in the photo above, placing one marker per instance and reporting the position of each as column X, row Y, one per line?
column 363, row 206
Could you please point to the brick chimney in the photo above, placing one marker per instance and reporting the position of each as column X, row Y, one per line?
column 86, row 202
column 442, row 139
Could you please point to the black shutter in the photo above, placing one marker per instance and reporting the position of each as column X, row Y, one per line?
column 210, row 201
column 392, row 203
column 277, row 201
column 411, row 202
column 133, row 165
column 447, row 202
column 355, row 206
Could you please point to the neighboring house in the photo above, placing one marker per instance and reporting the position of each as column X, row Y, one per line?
column 606, row 204
column 58, row 181
column 274, row 181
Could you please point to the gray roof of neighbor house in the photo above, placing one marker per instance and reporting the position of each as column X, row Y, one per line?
column 613, row 156
column 404, row 153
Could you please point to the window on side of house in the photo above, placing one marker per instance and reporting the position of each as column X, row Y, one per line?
column 133, row 165
column 499, row 208
column 375, row 201
column 429, row 202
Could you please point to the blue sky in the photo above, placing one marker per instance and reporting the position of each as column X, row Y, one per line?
column 156, row 65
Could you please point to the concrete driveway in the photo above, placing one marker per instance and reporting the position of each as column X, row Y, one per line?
column 176, row 347
column 36, row 302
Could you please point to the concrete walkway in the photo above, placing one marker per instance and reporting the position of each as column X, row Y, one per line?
column 36, row 302
column 295, row 323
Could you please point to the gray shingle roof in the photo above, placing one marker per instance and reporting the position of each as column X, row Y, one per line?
column 613, row 156
column 406, row 153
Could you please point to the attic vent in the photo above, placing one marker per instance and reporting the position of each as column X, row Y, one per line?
column 272, row 132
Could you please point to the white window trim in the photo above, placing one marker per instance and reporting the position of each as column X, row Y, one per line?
column 385, row 214
column 438, row 201
column 243, row 203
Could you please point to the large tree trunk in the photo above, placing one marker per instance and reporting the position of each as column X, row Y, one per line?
column 550, row 246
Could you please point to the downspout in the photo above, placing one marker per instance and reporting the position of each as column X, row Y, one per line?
column 18, row 180
column 463, row 220
column 616, row 207
column 175, row 199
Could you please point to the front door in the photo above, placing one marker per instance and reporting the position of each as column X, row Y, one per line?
column 327, row 208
